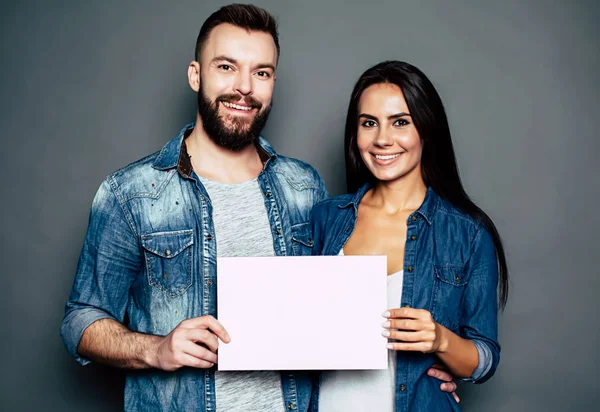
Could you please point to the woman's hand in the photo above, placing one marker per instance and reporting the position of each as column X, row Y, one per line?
column 439, row 372
column 415, row 330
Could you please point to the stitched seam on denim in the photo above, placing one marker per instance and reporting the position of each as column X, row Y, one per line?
column 446, row 320
column 206, row 219
column 472, row 240
column 294, row 392
column 448, row 281
column 297, row 185
column 458, row 214
column 273, row 208
column 302, row 242
column 472, row 249
column 434, row 297
column 296, row 237
column 148, row 259
column 188, row 232
column 162, row 288
column 300, row 224
column 152, row 195
column 288, row 164
column 128, row 217
column 323, row 193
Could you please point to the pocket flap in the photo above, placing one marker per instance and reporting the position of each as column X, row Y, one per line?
column 168, row 244
column 302, row 234
column 452, row 275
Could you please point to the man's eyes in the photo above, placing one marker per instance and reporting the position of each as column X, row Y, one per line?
column 262, row 73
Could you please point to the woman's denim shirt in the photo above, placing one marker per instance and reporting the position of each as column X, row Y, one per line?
column 149, row 261
column 450, row 269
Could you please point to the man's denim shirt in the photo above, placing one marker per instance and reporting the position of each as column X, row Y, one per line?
column 450, row 269
column 149, row 261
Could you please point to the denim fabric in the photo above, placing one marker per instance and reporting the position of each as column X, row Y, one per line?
column 450, row 269
column 149, row 261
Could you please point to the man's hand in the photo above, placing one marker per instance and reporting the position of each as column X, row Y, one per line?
column 448, row 385
column 194, row 343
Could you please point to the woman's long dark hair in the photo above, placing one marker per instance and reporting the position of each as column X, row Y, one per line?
column 438, row 162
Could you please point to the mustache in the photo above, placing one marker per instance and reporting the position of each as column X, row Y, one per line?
column 239, row 99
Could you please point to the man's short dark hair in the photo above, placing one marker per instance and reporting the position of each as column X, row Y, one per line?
column 245, row 16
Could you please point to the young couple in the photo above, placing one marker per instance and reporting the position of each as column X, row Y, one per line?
column 144, row 297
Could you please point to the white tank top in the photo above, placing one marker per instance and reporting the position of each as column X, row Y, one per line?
column 366, row 390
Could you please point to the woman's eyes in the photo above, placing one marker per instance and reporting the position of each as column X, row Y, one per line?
column 371, row 123
column 368, row 123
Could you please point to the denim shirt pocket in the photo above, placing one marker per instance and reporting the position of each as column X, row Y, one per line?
column 302, row 242
column 168, row 258
column 450, row 283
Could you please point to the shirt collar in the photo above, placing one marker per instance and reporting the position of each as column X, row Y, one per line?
column 357, row 197
column 429, row 206
column 174, row 153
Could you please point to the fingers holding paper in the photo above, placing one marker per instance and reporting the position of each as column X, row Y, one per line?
column 412, row 329
column 194, row 343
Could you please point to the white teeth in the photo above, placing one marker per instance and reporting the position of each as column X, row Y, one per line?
column 388, row 157
column 237, row 106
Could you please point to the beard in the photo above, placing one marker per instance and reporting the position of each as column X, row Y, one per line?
column 241, row 132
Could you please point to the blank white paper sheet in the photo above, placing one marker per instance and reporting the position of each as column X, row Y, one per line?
column 302, row 313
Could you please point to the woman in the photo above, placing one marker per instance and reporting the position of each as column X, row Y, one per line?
column 445, row 257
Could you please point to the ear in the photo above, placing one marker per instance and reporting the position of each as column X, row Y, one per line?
column 194, row 75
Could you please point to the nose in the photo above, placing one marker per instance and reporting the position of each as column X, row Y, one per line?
column 243, row 83
column 383, row 138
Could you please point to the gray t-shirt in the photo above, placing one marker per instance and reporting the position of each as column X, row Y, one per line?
column 242, row 228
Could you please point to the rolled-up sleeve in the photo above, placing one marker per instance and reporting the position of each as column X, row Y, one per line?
column 485, row 362
column 479, row 320
column 110, row 261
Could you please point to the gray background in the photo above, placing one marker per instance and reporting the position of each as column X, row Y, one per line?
column 88, row 88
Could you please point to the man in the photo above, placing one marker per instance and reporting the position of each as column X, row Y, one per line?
column 157, row 226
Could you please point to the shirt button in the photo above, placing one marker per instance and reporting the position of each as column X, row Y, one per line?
column 291, row 406
column 310, row 242
column 457, row 278
column 268, row 194
column 165, row 276
column 168, row 252
column 402, row 388
column 209, row 282
column 208, row 237
column 278, row 232
column 410, row 268
column 414, row 218
column 413, row 237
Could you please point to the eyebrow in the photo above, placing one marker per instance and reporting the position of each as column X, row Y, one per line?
column 234, row 61
column 392, row 117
